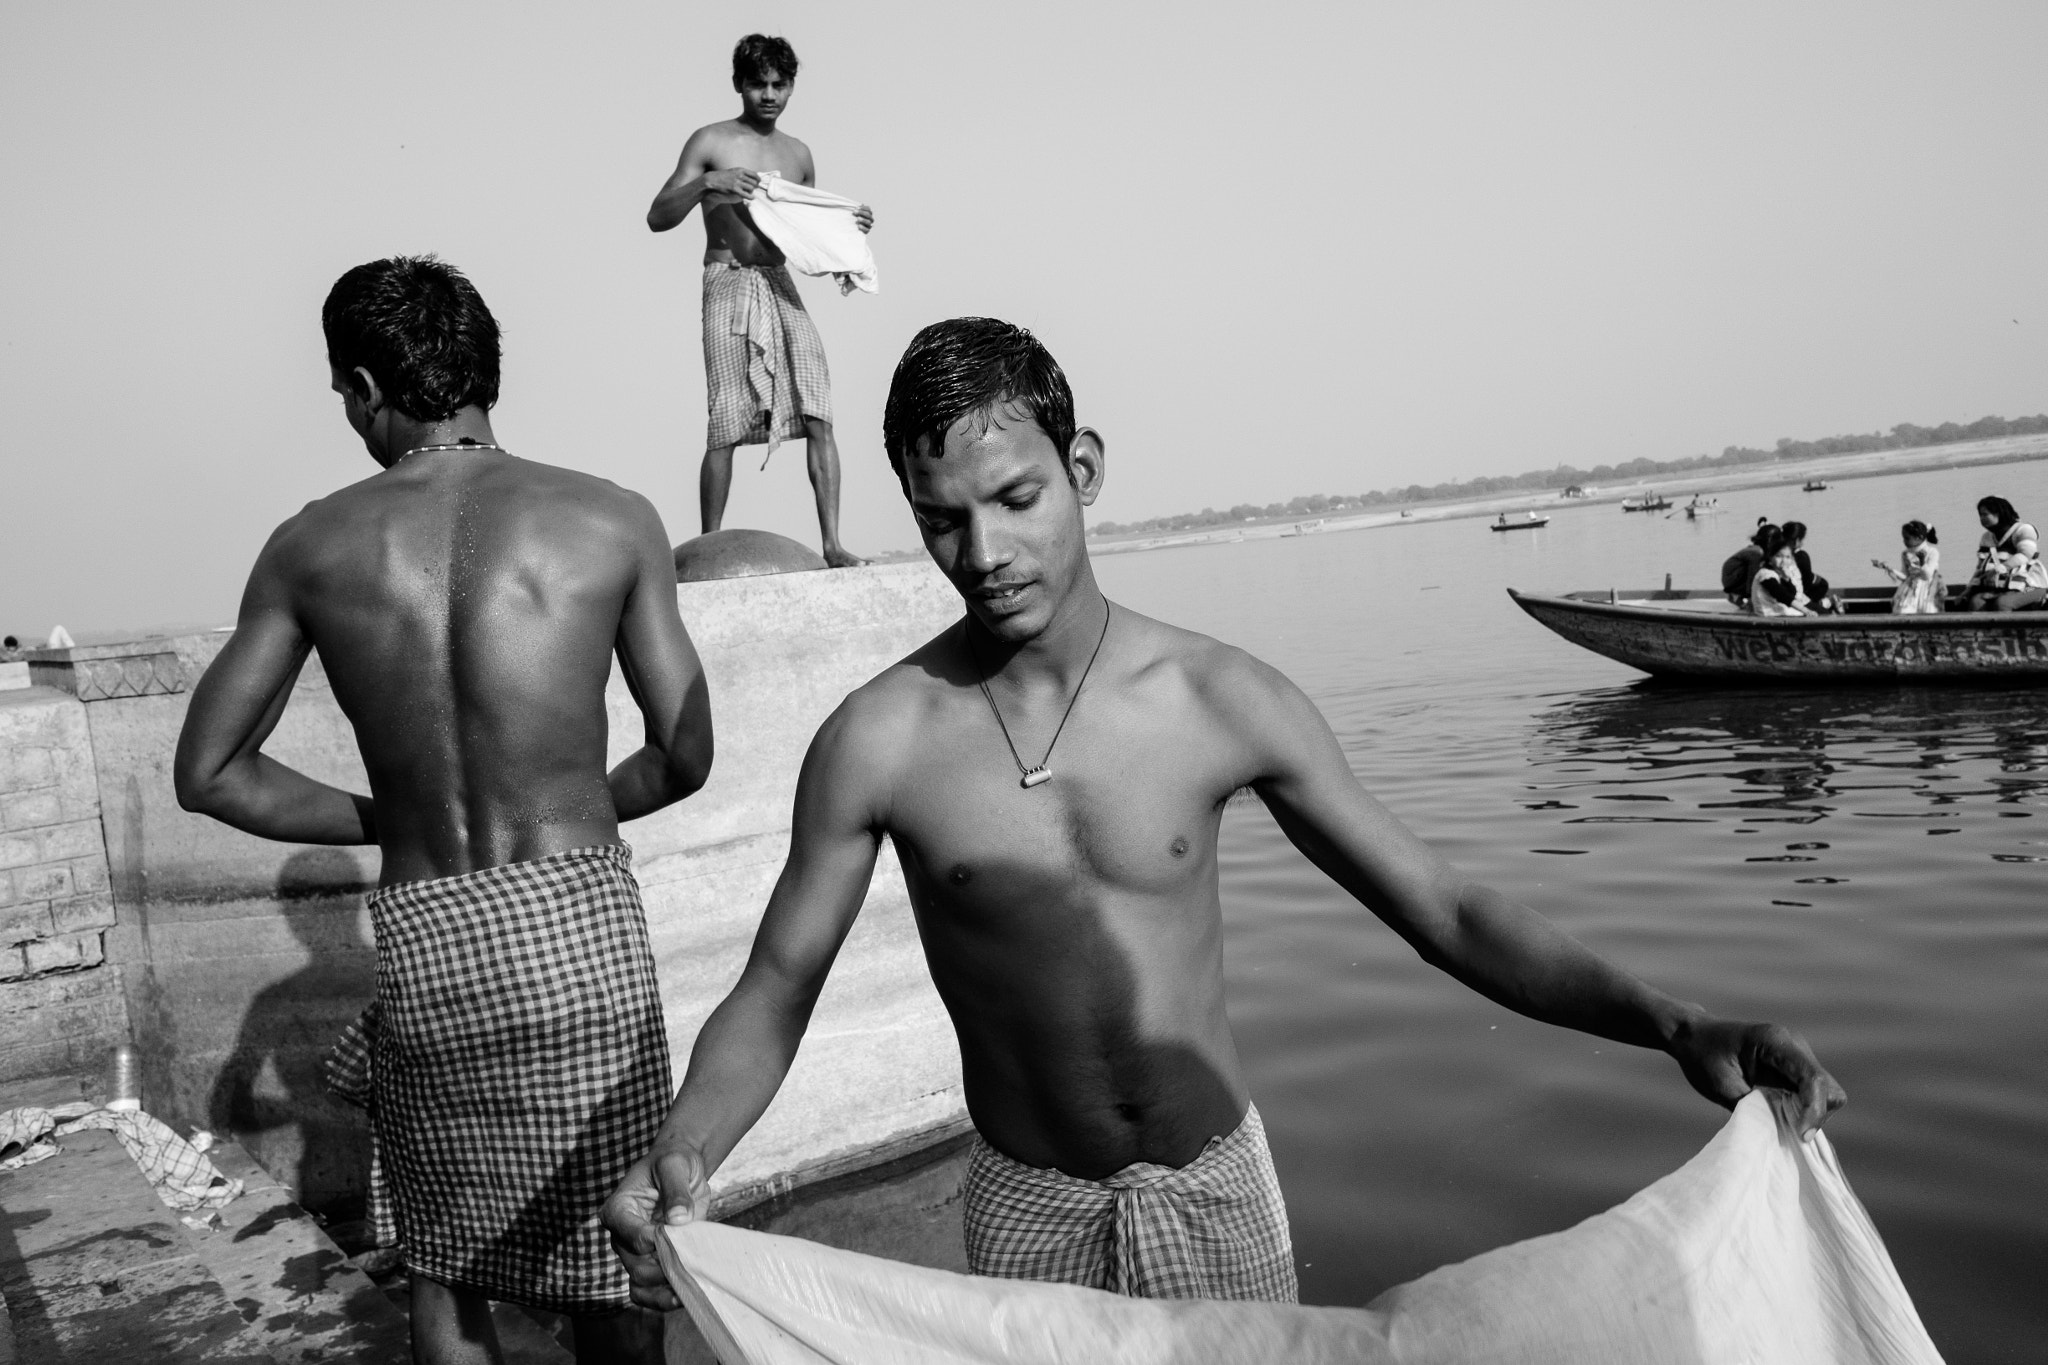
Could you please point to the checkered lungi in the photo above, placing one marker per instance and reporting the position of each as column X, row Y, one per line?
column 1214, row 1229
column 517, row 1064
column 764, row 366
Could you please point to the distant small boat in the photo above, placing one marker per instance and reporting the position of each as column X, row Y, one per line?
column 1814, row 486
column 1649, row 502
column 1529, row 522
column 1701, row 507
column 1699, row 634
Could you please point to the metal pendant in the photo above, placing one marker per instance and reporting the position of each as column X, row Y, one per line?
column 1033, row 776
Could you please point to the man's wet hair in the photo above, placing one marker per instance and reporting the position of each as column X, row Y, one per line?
column 757, row 54
column 420, row 328
column 968, row 366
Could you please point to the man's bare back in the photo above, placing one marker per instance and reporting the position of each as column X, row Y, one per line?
column 465, row 605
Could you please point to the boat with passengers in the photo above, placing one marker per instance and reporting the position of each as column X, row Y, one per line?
column 1648, row 502
column 1699, row 634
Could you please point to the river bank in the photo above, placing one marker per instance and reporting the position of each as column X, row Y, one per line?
column 1867, row 464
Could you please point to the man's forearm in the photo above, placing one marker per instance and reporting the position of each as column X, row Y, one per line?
column 1515, row 957
column 649, row 779
column 261, row 796
column 742, row 1054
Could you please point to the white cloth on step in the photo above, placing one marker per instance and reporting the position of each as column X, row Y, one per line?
column 179, row 1173
column 1755, row 1252
column 815, row 230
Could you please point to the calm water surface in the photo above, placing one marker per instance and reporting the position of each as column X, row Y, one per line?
column 1867, row 866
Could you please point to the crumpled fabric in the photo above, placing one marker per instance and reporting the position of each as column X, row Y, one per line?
column 179, row 1172
column 1755, row 1252
column 815, row 231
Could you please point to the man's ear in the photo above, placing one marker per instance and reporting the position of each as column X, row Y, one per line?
column 366, row 389
column 1087, row 464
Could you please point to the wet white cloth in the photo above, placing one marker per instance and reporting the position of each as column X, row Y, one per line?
column 815, row 230
column 1755, row 1252
column 179, row 1173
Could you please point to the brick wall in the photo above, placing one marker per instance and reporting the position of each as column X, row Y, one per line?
column 61, row 1004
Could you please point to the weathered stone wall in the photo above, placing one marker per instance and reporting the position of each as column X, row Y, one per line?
column 241, row 959
column 61, row 1008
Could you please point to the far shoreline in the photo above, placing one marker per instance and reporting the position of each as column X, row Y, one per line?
column 1861, row 465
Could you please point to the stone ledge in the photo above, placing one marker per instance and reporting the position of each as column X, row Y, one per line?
column 103, row 672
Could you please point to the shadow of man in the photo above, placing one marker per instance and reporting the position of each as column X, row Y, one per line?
column 270, row 1093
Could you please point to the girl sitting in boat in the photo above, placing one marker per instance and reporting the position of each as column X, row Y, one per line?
column 2010, row 575
column 1919, row 571
column 1811, row 583
column 1775, row 591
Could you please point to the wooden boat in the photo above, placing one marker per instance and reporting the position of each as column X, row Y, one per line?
column 1814, row 486
column 1701, row 507
column 1699, row 634
column 1649, row 502
column 1529, row 522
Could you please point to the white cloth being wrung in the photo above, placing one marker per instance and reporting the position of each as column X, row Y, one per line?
column 815, row 230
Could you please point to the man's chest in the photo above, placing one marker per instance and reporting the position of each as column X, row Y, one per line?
column 785, row 158
column 1128, row 805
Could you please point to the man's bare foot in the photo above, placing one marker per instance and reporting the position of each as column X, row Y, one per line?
column 839, row 557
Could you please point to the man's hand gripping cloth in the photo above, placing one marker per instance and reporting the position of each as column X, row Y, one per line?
column 1754, row 1253
column 1213, row 1229
column 517, row 1065
column 764, row 366
column 814, row 229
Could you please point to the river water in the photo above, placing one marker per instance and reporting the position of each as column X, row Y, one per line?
column 1867, row 866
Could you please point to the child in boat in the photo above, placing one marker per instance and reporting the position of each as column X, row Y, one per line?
column 1811, row 583
column 2010, row 575
column 1919, row 571
column 1775, row 590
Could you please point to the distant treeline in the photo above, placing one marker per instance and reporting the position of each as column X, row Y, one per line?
column 1904, row 436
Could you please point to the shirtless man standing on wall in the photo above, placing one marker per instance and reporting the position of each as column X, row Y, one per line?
column 1052, row 773
column 764, row 366
column 466, row 606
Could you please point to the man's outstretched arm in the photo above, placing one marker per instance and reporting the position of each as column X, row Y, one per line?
column 745, row 1048
column 692, row 180
column 220, row 769
column 666, row 678
column 1500, row 948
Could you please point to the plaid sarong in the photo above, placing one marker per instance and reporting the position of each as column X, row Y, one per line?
column 517, row 1064
column 764, row 366
column 1214, row 1229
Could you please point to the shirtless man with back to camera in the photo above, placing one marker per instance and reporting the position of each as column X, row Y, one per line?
column 466, row 606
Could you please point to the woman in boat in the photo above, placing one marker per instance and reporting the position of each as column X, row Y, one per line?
column 2010, row 575
column 1774, row 591
column 1919, row 571
column 1814, row 586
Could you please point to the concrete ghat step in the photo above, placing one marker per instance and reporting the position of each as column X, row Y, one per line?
column 95, row 1269
column 305, row 1301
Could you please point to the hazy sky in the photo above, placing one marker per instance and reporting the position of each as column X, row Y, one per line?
column 1280, row 248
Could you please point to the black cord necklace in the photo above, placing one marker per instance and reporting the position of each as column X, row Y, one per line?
column 1032, row 777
